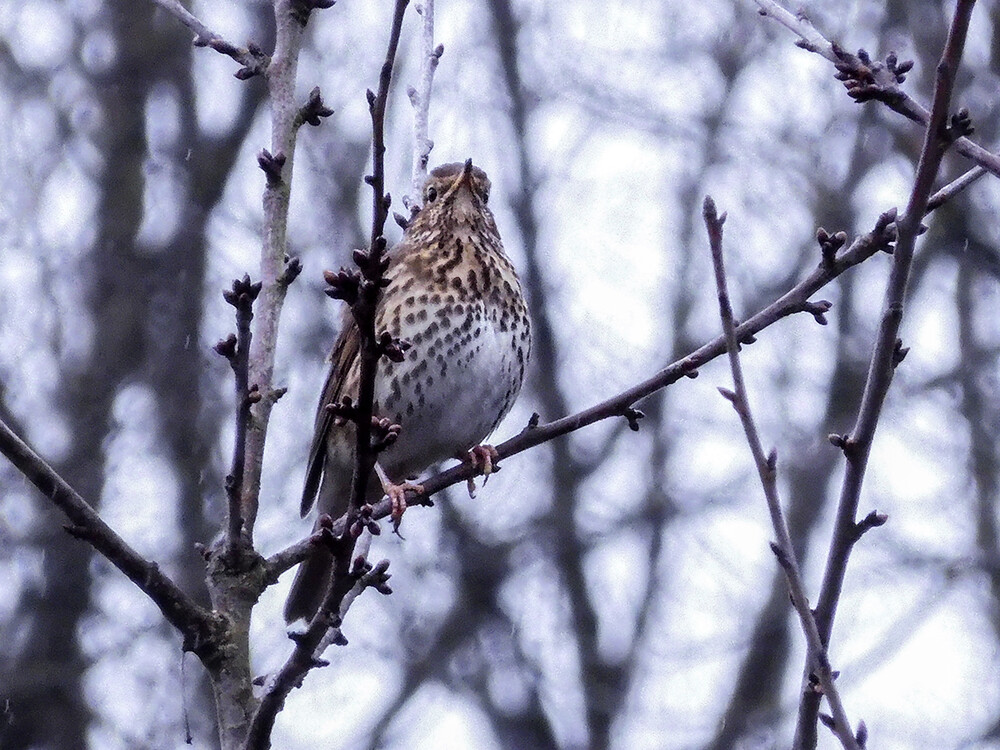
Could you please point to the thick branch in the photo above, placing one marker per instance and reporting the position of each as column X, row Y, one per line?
column 286, row 559
column 887, row 353
column 198, row 626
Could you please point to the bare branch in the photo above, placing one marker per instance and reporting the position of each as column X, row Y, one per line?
column 420, row 99
column 767, row 471
column 373, row 267
column 251, row 57
column 955, row 187
column 887, row 353
column 201, row 629
column 794, row 301
column 237, row 350
column 882, row 83
column 348, row 571
column 286, row 559
column 276, row 268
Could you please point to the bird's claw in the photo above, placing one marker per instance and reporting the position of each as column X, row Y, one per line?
column 397, row 497
column 485, row 458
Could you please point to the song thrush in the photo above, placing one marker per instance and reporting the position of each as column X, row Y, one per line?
column 454, row 295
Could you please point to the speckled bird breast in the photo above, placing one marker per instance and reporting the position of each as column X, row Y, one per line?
column 458, row 301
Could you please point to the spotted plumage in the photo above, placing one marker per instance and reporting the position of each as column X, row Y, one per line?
column 454, row 295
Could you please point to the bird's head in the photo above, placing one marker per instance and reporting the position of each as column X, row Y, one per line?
column 457, row 190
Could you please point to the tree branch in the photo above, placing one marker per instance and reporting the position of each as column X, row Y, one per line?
column 236, row 349
column 794, row 301
column 200, row 628
column 420, row 99
column 251, row 57
column 767, row 471
column 887, row 354
column 955, row 187
column 879, row 80
column 373, row 267
column 834, row 263
column 277, row 269
column 348, row 571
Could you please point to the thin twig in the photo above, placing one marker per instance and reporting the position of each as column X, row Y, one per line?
column 237, row 350
column 892, row 95
column 955, row 187
column 420, row 99
column 251, row 57
column 767, row 471
column 887, row 354
column 372, row 269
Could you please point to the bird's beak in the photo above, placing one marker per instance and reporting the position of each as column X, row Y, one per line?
column 463, row 179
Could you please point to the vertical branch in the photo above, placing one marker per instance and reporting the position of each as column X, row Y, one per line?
column 348, row 576
column 420, row 99
column 237, row 350
column 888, row 351
column 373, row 266
column 233, row 587
column 290, row 20
column 766, row 469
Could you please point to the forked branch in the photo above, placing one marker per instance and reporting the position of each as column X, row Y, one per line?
column 767, row 471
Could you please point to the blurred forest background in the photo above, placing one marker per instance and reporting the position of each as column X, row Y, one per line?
column 607, row 590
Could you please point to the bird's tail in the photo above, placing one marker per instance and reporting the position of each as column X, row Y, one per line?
column 311, row 582
column 313, row 576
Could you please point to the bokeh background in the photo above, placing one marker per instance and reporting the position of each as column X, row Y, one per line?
column 608, row 590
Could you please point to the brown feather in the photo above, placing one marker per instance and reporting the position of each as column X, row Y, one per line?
column 345, row 351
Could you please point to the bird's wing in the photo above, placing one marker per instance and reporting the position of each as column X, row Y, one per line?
column 342, row 359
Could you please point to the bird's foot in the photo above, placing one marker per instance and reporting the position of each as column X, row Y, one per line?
column 485, row 458
column 397, row 496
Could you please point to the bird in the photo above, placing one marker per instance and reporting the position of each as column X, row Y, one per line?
column 455, row 297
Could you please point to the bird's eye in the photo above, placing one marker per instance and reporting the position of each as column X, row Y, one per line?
column 431, row 194
column 486, row 193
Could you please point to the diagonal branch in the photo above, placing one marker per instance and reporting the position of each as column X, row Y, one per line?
column 766, row 469
column 201, row 630
column 884, row 86
column 794, row 301
column 277, row 269
column 888, row 353
column 251, row 57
